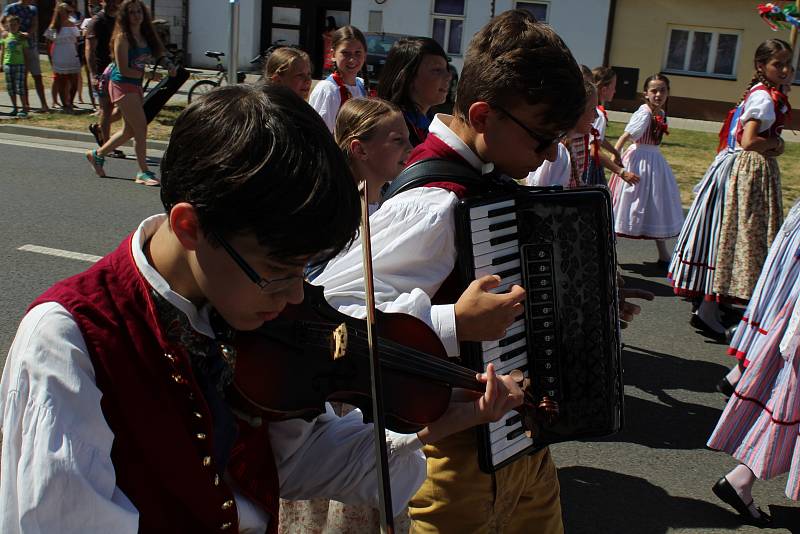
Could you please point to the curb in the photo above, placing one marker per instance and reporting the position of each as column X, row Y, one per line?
column 65, row 135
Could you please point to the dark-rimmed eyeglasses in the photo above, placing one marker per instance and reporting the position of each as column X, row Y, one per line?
column 267, row 285
column 542, row 143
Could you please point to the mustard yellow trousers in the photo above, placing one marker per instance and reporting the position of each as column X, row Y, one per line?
column 459, row 498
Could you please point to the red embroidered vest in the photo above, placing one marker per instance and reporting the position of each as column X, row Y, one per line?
column 433, row 147
column 163, row 432
column 783, row 111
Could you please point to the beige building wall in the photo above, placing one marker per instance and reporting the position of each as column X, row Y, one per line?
column 640, row 39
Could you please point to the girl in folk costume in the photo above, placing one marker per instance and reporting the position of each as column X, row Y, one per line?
column 695, row 260
column 605, row 79
column 573, row 153
column 373, row 136
column 651, row 207
column 290, row 67
column 753, row 209
column 349, row 53
column 416, row 78
column 759, row 426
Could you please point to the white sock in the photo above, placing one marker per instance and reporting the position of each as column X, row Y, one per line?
column 734, row 375
column 742, row 480
column 709, row 313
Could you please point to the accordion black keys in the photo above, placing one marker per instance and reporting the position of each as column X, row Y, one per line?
column 559, row 245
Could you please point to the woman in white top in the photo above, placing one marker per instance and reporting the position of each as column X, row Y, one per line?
column 64, row 55
column 349, row 53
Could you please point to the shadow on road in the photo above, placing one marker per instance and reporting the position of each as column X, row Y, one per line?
column 656, row 373
column 597, row 500
column 657, row 289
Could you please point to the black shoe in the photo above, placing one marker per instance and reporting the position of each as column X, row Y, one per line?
column 94, row 128
column 117, row 153
column 729, row 333
column 707, row 331
column 664, row 264
column 725, row 387
column 728, row 495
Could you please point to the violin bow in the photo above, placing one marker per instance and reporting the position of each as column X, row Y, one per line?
column 379, row 426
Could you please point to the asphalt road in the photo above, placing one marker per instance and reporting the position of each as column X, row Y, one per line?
column 654, row 477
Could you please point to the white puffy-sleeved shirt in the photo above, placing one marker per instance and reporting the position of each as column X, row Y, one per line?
column 56, row 473
column 555, row 172
column 600, row 124
column 413, row 252
column 639, row 123
column 759, row 106
column 326, row 99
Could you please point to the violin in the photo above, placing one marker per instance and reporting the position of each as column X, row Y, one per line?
column 323, row 356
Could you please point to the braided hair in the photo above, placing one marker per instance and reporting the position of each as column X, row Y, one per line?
column 764, row 53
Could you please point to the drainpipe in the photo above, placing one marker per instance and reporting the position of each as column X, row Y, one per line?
column 612, row 11
column 185, row 36
column 233, row 43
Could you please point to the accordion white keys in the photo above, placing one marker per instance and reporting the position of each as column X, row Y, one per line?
column 559, row 245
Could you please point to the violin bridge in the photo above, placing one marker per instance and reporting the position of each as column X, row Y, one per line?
column 339, row 342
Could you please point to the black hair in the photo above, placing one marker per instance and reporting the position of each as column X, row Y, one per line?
column 515, row 58
column 402, row 65
column 261, row 161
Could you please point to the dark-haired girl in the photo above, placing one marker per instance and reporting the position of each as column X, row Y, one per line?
column 719, row 253
column 134, row 45
column 349, row 54
column 416, row 78
column 759, row 426
column 649, row 208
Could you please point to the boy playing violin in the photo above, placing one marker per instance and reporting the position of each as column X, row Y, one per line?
column 113, row 399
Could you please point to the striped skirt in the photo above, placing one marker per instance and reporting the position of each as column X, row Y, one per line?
column 779, row 283
column 759, row 426
column 751, row 219
column 691, row 270
column 594, row 174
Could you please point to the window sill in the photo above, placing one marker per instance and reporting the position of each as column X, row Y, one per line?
column 709, row 76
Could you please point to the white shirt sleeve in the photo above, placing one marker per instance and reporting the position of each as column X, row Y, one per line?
column 552, row 172
column 333, row 457
column 639, row 122
column 56, row 473
column 600, row 124
column 759, row 106
column 325, row 98
column 413, row 252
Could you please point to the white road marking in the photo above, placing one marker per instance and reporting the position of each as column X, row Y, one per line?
column 60, row 253
column 74, row 150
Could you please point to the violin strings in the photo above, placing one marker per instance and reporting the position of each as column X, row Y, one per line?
column 405, row 358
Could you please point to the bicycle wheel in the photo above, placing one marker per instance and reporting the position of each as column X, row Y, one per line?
column 200, row 89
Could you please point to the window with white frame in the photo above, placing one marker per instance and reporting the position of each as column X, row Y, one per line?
column 448, row 24
column 702, row 51
column 540, row 10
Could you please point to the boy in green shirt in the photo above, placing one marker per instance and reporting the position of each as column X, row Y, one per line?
column 12, row 49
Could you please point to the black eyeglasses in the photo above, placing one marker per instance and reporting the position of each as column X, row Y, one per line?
column 266, row 285
column 542, row 143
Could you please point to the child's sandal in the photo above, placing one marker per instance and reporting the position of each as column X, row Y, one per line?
column 96, row 161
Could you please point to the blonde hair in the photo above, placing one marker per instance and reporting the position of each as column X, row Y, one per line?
column 282, row 59
column 360, row 118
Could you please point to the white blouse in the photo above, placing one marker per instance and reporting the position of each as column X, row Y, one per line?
column 326, row 99
column 56, row 473
column 413, row 252
column 639, row 122
column 600, row 124
column 556, row 172
column 759, row 106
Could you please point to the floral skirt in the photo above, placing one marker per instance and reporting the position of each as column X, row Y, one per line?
column 752, row 215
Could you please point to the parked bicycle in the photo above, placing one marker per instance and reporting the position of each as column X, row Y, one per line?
column 220, row 77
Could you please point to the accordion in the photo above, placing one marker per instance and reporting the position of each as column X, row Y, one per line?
column 559, row 245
